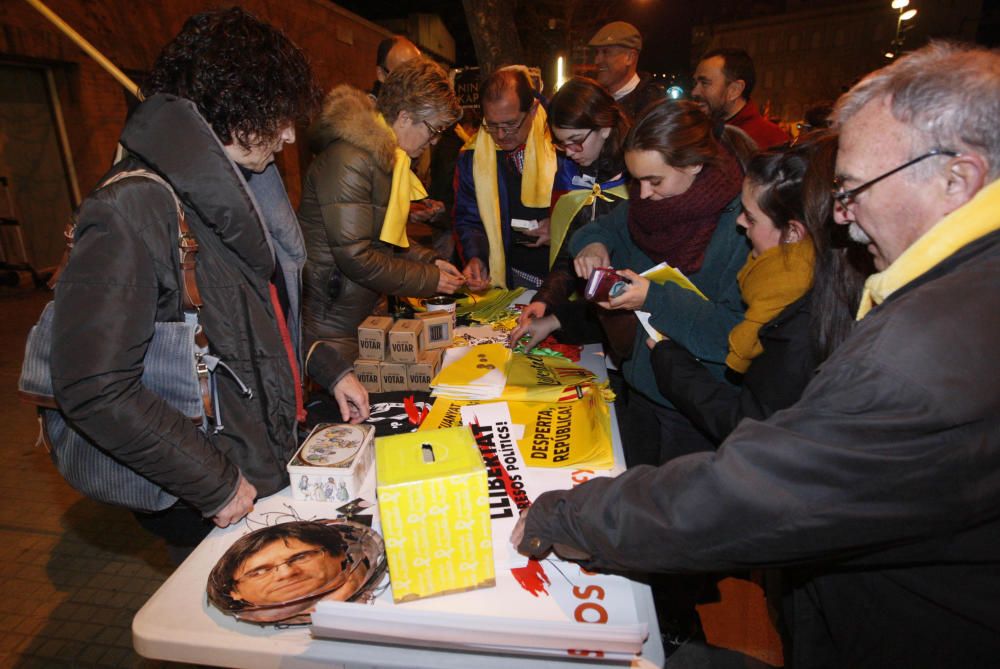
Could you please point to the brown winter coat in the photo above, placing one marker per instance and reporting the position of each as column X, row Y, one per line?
column 344, row 198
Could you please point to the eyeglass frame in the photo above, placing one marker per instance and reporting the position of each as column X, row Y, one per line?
column 574, row 146
column 845, row 198
column 266, row 570
column 431, row 129
column 494, row 129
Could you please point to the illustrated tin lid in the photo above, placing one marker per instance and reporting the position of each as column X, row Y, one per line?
column 334, row 445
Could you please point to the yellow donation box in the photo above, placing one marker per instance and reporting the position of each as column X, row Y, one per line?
column 434, row 506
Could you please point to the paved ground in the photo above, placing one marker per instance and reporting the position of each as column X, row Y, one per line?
column 72, row 572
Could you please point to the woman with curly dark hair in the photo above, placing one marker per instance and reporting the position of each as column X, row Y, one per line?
column 356, row 201
column 223, row 98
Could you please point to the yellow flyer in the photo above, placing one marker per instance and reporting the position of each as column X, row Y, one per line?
column 546, row 379
column 548, row 434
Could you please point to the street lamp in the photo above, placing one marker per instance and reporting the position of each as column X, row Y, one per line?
column 896, row 46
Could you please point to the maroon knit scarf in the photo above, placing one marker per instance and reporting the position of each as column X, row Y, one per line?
column 677, row 229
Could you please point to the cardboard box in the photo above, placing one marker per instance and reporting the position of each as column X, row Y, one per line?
column 369, row 374
column 420, row 373
column 332, row 463
column 372, row 337
column 434, row 505
column 404, row 340
column 393, row 376
column 439, row 330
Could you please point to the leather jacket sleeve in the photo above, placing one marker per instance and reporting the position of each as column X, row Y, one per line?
column 116, row 286
column 711, row 404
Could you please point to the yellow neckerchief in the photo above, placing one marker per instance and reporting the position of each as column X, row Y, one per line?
column 536, row 184
column 976, row 218
column 405, row 188
column 768, row 284
column 462, row 133
column 569, row 205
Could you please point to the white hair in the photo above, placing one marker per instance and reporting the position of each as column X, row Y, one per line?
column 947, row 93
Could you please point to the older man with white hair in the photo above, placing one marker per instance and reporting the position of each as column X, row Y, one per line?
column 879, row 491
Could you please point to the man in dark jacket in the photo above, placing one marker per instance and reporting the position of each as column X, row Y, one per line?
column 880, row 487
column 616, row 55
column 213, row 142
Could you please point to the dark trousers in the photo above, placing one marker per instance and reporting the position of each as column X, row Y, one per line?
column 181, row 527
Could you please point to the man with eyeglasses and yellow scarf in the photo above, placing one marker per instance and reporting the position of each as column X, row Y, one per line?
column 879, row 491
column 504, row 186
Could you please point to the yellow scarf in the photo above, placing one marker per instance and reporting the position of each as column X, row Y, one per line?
column 569, row 205
column 768, row 284
column 406, row 187
column 536, row 184
column 976, row 218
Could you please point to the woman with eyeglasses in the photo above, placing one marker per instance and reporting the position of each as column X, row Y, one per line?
column 684, row 200
column 356, row 202
column 589, row 127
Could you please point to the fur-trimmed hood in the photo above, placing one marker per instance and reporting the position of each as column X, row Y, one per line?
column 349, row 114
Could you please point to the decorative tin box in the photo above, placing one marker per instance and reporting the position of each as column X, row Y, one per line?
column 332, row 463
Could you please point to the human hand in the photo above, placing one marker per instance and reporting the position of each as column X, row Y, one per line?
column 530, row 312
column 541, row 234
column 535, row 331
column 450, row 278
column 425, row 210
column 352, row 398
column 634, row 296
column 239, row 506
column 517, row 534
column 477, row 275
column 590, row 258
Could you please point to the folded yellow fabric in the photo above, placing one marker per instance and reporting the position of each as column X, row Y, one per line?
column 536, row 184
column 768, row 284
column 977, row 218
column 406, row 187
column 569, row 205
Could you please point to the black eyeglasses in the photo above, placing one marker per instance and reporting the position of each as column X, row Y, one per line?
column 575, row 145
column 504, row 129
column 435, row 132
column 845, row 198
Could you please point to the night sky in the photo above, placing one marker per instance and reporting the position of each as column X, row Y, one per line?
column 665, row 24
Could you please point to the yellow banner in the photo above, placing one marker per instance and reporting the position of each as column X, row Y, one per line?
column 556, row 434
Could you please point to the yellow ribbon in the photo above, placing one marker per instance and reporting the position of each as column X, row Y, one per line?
column 569, row 205
column 977, row 218
column 406, row 187
column 536, row 184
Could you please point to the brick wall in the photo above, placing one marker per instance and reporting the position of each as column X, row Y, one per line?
column 340, row 45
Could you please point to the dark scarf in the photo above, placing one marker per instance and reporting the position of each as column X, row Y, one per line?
column 677, row 229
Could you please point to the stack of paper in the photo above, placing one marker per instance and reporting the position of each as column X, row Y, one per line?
column 473, row 372
column 346, row 620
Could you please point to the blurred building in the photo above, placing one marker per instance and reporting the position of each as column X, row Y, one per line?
column 61, row 114
column 808, row 52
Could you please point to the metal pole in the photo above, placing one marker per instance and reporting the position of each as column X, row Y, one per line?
column 110, row 67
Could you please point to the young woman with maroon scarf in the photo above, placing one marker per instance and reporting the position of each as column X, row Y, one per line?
column 682, row 209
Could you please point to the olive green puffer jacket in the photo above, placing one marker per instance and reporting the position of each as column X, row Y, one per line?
column 344, row 198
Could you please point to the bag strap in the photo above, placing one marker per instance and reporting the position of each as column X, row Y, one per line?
column 191, row 301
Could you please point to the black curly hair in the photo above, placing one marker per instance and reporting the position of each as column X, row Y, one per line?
column 245, row 76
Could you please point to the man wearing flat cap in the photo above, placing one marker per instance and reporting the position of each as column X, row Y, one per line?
column 616, row 54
